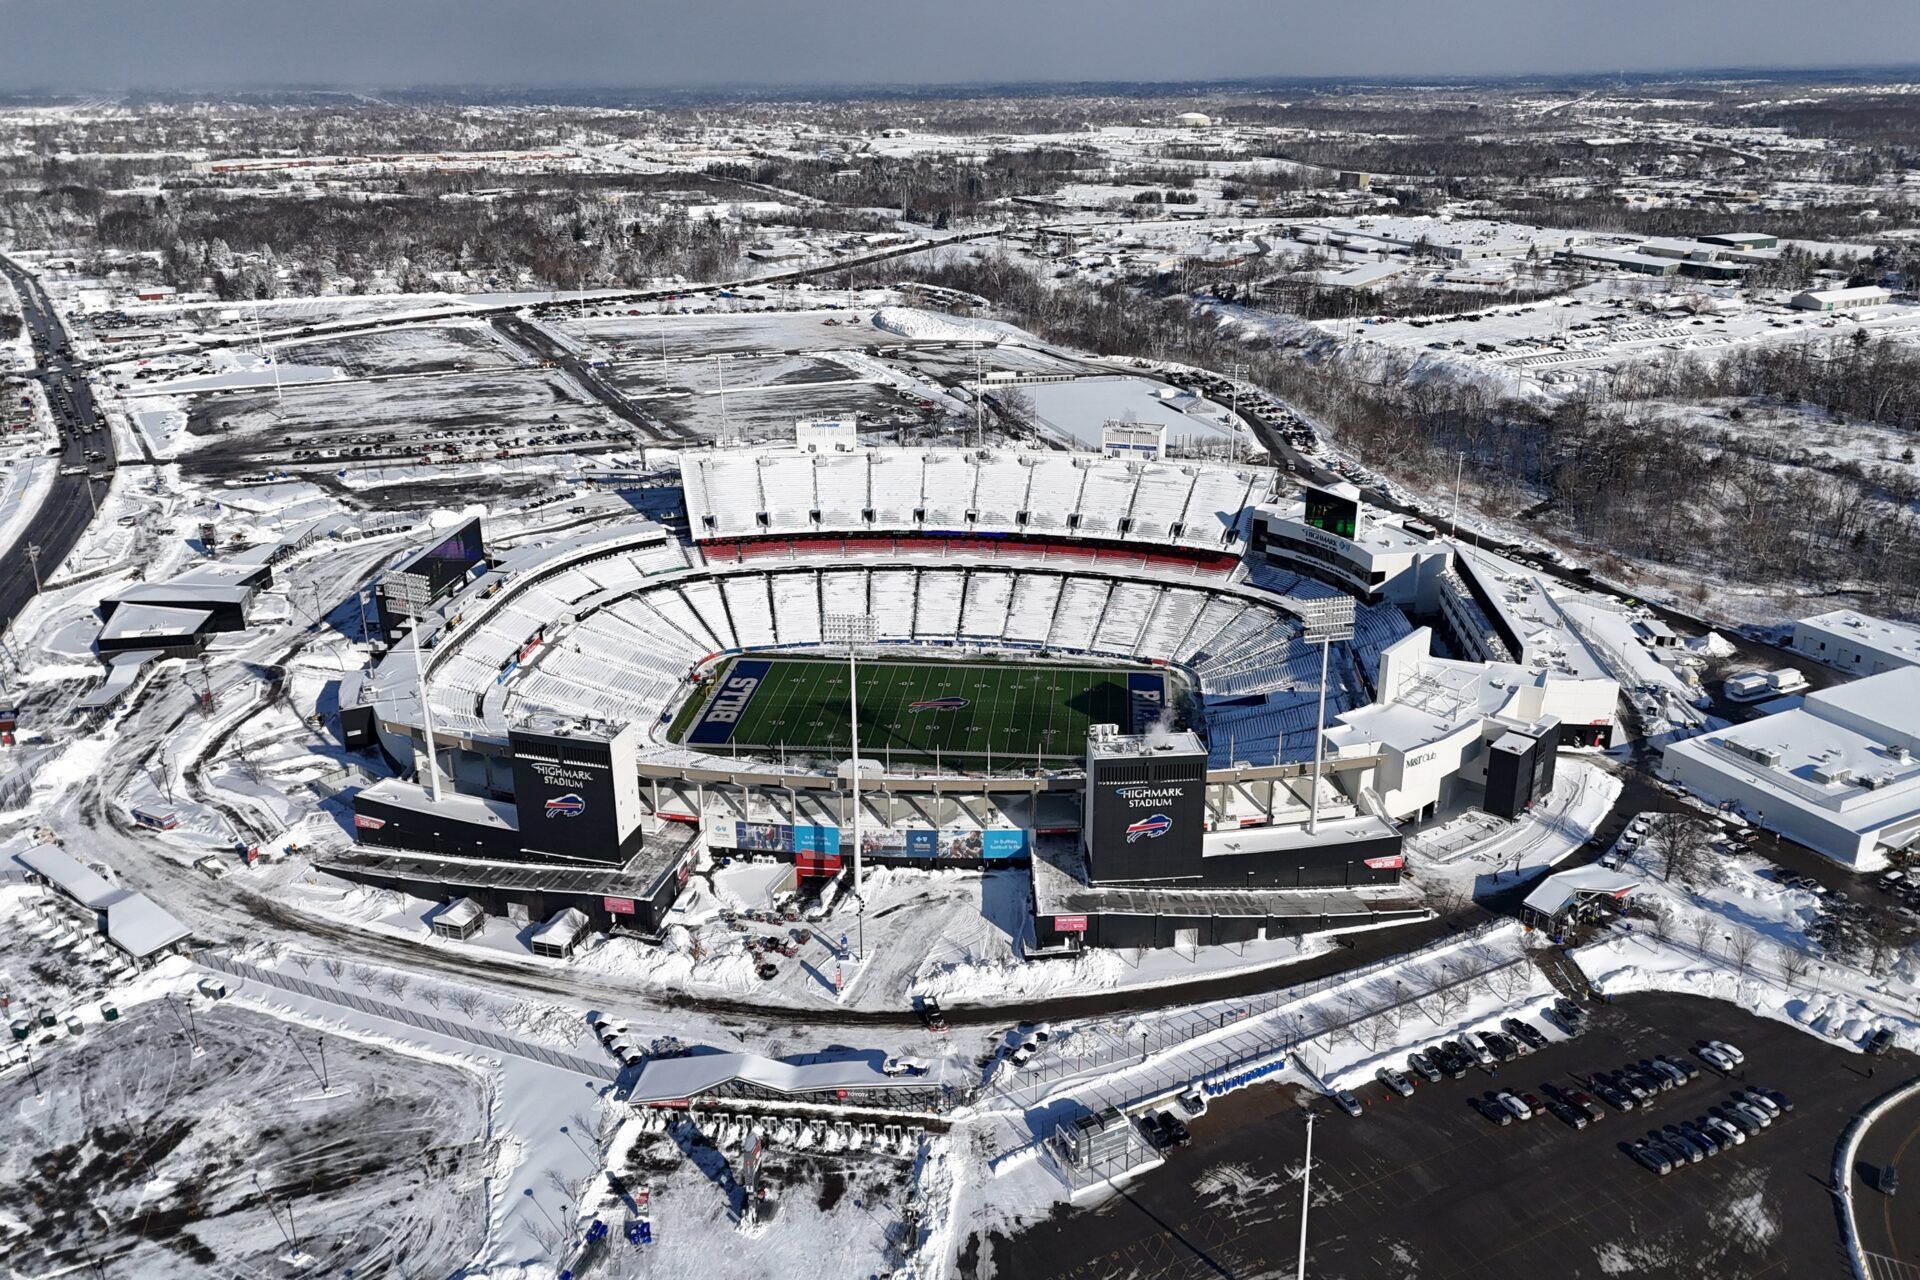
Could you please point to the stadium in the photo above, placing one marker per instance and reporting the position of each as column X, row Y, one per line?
column 599, row 706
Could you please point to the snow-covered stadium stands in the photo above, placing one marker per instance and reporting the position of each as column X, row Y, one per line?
column 747, row 493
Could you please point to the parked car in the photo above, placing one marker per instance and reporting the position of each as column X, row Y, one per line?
column 1347, row 1102
column 932, row 1015
column 1780, row 1099
column 1175, row 1129
column 1652, row 1158
column 1584, row 1101
column 1520, row 1110
column 1681, row 1065
column 1422, row 1066
column 1525, row 1033
column 1474, row 1045
column 1880, row 1041
column 1396, row 1081
column 1714, row 1058
column 1153, row 1131
column 1502, row 1049
column 1739, row 1058
column 1758, row 1100
column 1569, row 1116
column 1613, row 1097
column 1765, row 1118
column 1491, row 1110
column 1731, row 1132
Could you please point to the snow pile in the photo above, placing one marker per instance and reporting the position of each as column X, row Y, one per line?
column 1001, row 980
column 930, row 326
column 1623, row 964
column 1714, row 645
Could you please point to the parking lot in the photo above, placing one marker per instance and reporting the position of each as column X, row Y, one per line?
column 1890, row 1225
column 1427, row 1187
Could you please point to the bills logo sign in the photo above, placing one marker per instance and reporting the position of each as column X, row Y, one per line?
column 939, row 704
column 1394, row 863
column 1151, row 828
column 567, row 806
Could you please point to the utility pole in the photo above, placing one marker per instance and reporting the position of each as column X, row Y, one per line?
column 33, row 558
column 1235, row 373
column 853, row 628
column 979, row 400
column 1306, row 1199
column 721, row 371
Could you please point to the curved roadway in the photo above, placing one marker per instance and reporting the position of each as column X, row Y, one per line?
column 66, row 510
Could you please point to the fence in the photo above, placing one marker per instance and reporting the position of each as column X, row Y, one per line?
column 1180, row 1028
column 411, row 1017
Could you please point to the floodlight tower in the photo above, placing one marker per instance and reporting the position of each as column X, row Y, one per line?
column 1325, row 621
column 1236, row 373
column 852, row 629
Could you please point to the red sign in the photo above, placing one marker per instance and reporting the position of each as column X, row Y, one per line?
column 526, row 650
column 370, row 824
column 618, row 906
column 1069, row 924
column 1394, row 863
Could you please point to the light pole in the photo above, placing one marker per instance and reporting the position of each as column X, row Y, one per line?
column 1306, row 1199
column 853, row 629
column 1324, row 621
column 33, row 558
column 1236, row 371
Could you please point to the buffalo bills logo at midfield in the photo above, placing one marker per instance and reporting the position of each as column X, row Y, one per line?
column 1152, row 828
column 567, row 806
column 939, row 704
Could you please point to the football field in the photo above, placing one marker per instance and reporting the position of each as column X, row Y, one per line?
column 921, row 709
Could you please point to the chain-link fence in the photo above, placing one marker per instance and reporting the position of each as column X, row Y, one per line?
column 1173, row 1030
column 411, row 1017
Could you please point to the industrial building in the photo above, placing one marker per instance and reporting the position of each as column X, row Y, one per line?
column 1866, row 295
column 1839, row 774
column 1857, row 643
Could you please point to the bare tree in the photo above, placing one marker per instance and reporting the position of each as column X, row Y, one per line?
column 1740, row 950
column 1508, row 981
column 1793, row 964
column 334, row 967
column 1678, row 844
column 430, row 996
column 395, row 985
column 1703, row 927
column 365, row 975
column 466, row 1000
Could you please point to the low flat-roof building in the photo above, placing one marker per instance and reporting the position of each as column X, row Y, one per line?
column 1866, row 295
column 131, row 921
column 1839, row 774
column 1849, row 640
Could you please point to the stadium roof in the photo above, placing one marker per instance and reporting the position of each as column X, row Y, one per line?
column 1553, row 894
column 671, row 1079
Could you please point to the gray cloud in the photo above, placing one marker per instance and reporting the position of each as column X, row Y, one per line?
column 172, row 44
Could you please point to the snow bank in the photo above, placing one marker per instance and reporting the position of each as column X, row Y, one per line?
column 931, row 326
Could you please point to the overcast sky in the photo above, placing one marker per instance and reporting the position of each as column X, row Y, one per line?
column 183, row 44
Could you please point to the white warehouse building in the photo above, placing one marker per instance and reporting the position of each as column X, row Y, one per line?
column 1860, row 643
column 1839, row 774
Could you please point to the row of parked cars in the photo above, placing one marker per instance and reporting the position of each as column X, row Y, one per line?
column 1452, row 1059
column 1746, row 1113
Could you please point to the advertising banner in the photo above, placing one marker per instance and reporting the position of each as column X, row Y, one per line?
column 784, row 837
column 1069, row 924
column 617, row 906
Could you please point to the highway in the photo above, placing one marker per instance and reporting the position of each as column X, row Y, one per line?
column 67, row 510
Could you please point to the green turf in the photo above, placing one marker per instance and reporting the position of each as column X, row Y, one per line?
column 1014, row 710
